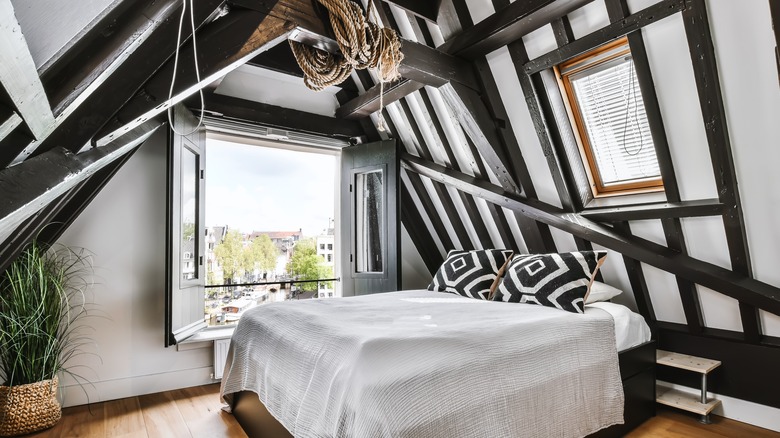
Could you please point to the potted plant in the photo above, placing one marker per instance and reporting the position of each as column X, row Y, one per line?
column 42, row 296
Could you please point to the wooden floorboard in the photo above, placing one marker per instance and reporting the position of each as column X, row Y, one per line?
column 196, row 412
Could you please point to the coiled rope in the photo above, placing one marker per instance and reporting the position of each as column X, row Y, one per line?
column 363, row 44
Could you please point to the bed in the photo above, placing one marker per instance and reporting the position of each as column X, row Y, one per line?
column 430, row 364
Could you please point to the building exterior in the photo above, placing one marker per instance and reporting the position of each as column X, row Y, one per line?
column 326, row 249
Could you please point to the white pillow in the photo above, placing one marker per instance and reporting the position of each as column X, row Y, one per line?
column 601, row 292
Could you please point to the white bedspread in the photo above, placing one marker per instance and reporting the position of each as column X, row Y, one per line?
column 427, row 364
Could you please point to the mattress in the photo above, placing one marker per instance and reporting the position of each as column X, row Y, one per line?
column 428, row 364
column 630, row 327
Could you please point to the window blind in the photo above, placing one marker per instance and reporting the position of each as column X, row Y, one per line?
column 611, row 107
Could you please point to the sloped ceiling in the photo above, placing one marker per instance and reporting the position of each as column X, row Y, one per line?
column 487, row 162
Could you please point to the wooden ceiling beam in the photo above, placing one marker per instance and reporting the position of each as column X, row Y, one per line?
column 369, row 102
column 734, row 285
column 277, row 117
column 666, row 210
column 508, row 25
column 224, row 45
column 136, row 46
column 55, row 173
column 19, row 76
column 426, row 9
column 9, row 124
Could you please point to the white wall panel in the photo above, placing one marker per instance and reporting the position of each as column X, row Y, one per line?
column 588, row 18
column 514, row 101
column 127, row 238
column 540, row 41
column 442, row 212
column 744, row 45
column 770, row 323
column 706, row 240
column 426, row 220
column 664, row 294
column 489, row 223
column 465, row 217
column 670, row 64
column 480, row 9
column 515, row 227
column 651, row 230
column 614, row 272
column 718, row 310
column 414, row 274
column 564, row 241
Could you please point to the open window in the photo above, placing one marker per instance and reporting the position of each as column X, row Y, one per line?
column 608, row 115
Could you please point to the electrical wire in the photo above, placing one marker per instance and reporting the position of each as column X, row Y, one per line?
column 176, row 67
column 632, row 93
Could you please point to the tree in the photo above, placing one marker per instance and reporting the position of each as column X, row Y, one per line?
column 305, row 264
column 231, row 255
column 262, row 254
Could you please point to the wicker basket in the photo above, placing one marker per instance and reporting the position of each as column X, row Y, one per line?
column 28, row 408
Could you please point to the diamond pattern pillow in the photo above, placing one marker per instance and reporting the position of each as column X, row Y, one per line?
column 553, row 280
column 471, row 273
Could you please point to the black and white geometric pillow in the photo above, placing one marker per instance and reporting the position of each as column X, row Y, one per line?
column 553, row 280
column 471, row 273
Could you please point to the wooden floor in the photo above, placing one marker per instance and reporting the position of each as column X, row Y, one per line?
column 196, row 412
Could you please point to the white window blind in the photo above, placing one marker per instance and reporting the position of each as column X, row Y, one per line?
column 611, row 107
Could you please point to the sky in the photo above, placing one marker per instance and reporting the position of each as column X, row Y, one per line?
column 255, row 188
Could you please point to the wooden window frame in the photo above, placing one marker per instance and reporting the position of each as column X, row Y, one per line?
column 580, row 133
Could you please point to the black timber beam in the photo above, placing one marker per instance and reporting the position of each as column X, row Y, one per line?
column 636, row 277
column 8, row 123
column 606, row 34
column 276, row 117
column 702, row 51
column 774, row 11
column 426, row 9
column 675, row 239
column 508, row 25
column 415, row 226
column 369, row 102
column 138, row 44
column 666, row 210
column 56, row 172
column 19, row 77
column 224, row 45
column 734, row 285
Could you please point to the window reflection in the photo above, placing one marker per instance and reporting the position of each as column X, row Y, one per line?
column 188, row 266
column 369, row 221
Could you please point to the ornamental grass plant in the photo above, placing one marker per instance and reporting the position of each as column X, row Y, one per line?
column 42, row 297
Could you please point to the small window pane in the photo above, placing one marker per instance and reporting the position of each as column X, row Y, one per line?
column 189, row 213
column 369, row 217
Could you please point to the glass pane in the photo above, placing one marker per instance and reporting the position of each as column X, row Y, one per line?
column 612, row 109
column 369, row 221
column 188, row 265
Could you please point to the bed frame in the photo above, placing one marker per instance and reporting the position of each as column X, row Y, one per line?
column 637, row 370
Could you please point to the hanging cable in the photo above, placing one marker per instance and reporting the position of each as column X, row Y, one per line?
column 632, row 93
column 176, row 67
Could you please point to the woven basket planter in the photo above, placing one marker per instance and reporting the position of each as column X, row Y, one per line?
column 28, row 408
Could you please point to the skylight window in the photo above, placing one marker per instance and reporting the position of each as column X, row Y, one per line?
column 609, row 114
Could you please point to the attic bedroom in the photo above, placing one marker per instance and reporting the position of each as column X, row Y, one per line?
column 359, row 218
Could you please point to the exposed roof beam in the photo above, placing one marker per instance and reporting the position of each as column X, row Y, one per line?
column 9, row 124
column 368, row 102
column 703, row 207
column 751, row 291
column 427, row 9
column 135, row 47
column 618, row 29
column 507, row 25
column 224, row 45
column 19, row 77
column 56, row 172
column 278, row 117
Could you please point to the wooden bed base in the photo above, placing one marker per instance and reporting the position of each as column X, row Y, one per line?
column 637, row 370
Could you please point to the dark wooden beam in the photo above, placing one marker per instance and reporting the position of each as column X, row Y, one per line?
column 508, row 25
column 148, row 46
column 369, row 102
column 675, row 239
column 473, row 116
column 705, row 68
column 415, row 226
column 8, row 124
column 774, row 11
column 636, row 277
column 224, row 45
column 703, row 207
column 56, row 172
column 732, row 284
column 426, row 9
column 19, row 77
column 606, row 34
column 433, row 67
column 277, row 117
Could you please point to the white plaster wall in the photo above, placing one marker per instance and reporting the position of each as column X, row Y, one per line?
column 125, row 229
column 48, row 25
column 414, row 274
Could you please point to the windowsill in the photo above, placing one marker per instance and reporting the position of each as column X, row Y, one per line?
column 205, row 338
column 627, row 199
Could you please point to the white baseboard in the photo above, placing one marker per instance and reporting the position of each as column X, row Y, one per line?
column 74, row 395
column 736, row 409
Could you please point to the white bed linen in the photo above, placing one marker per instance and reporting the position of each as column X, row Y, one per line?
column 630, row 327
column 429, row 365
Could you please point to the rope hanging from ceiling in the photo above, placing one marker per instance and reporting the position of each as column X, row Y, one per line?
column 363, row 44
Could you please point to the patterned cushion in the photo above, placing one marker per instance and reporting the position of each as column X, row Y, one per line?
column 471, row 273
column 553, row 280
